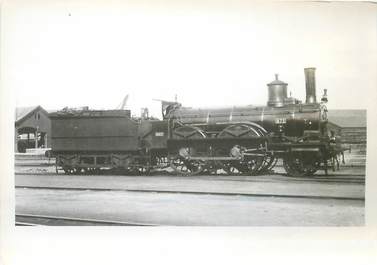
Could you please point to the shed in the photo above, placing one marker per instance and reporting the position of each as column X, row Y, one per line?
column 352, row 125
column 32, row 128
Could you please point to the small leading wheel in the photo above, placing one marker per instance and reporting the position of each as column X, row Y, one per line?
column 299, row 165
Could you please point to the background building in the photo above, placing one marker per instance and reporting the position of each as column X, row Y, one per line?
column 352, row 126
column 32, row 128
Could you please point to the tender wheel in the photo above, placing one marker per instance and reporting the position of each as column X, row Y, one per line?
column 299, row 165
column 161, row 162
column 68, row 170
column 92, row 171
column 143, row 170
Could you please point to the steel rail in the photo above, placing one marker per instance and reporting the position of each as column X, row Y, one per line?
column 32, row 219
column 333, row 179
column 270, row 195
column 302, row 180
column 106, row 173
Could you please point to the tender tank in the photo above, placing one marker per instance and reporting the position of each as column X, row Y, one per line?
column 93, row 131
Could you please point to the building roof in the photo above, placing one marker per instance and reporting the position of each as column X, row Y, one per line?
column 348, row 118
column 22, row 113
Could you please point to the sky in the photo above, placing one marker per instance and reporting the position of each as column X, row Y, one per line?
column 209, row 54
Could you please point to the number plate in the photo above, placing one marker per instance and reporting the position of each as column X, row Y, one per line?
column 159, row 134
column 280, row 120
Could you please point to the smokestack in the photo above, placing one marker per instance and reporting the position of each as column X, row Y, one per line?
column 310, row 85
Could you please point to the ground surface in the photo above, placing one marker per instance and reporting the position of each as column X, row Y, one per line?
column 184, row 209
column 239, row 200
column 269, row 184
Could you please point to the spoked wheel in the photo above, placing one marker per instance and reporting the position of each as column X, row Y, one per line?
column 72, row 170
column 181, row 162
column 253, row 165
column 186, row 167
column 78, row 170
column 223, row 165
column 234, row 169
column 247, row 164
column 268, row 164
column 299, row 165
column 243, row 166
column 92, row 171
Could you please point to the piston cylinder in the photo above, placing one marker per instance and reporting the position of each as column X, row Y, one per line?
column 310, row 85
column 277, row 93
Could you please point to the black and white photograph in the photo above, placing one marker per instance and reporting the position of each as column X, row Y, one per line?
column 148, row 115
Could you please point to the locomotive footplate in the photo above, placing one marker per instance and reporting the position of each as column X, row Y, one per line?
column 174, row 144
column 297, row 147
column 212, row 158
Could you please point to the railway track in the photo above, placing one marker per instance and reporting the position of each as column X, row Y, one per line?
column 320, row 179
column 270, row 195
column 335, row 178
column 33, row 220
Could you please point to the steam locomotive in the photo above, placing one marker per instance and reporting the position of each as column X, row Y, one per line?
column 238, row 140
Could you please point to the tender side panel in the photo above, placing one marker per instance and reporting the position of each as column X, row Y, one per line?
column 99, row 134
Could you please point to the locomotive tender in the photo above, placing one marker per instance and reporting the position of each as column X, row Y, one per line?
column 242, row 140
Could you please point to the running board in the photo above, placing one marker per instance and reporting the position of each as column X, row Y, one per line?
column 213, row 158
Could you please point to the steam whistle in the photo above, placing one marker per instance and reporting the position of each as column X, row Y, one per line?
column 324, row 96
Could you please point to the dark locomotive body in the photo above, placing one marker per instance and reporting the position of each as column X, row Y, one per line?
column 295, row 118
column 258, row 135
column 247, row 140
